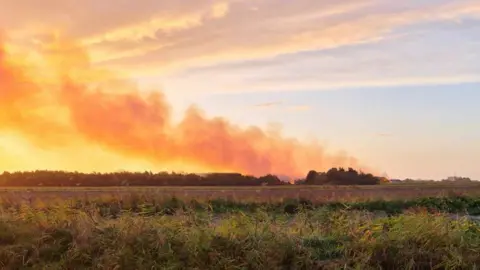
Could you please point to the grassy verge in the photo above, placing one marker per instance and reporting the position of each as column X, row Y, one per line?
column 142, row 233
column 65, row 238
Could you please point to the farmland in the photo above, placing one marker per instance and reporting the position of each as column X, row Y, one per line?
column 286, row 227
column 255, row 194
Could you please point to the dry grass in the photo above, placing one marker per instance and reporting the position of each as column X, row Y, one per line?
column 139, row 228
column 65, row 238
column 250, row 194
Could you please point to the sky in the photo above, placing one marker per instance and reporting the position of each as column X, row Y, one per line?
column 387, row 86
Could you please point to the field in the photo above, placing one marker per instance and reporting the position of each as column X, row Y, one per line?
column 375, row 227
column 255, row 194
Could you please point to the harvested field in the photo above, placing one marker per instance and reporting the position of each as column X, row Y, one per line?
column 254, row 194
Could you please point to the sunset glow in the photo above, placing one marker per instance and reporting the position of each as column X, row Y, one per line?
column 255, row 87
column 73, row 116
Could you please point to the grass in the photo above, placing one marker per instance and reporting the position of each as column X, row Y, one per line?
column 144, row 232
column 64, row 238
column 316, row 194
column 114, row 204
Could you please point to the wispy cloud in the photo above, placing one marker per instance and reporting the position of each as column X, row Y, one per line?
column 232, row 37
column 205, row 29
column 299, row 108
column 283, row 106
column 158, row 37
column 268, row 104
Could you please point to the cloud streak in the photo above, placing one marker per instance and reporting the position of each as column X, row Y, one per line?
column 268, row 104
column 168, row 34
column 299, row 108
column 233, row 37
column 162, row 39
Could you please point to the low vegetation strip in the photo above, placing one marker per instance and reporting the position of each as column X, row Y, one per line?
column 142, row 232
column 113, row 206
column 66, row 238
column 270, row 195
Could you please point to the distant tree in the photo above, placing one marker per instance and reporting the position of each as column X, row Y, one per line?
column 340, row 176
column 300, row 182
column 311, row 176
column 270, row 180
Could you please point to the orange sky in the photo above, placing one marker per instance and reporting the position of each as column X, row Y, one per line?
column 389, row 82
column 60, row 112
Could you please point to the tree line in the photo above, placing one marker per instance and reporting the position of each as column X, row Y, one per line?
column 71, row 179
column 340, row 176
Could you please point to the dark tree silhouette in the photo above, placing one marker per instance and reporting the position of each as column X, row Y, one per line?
column 311, row 176
column 340, row 176
column 334, row 176
column 60, row 178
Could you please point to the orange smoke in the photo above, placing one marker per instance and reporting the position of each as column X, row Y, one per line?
column 65, row 99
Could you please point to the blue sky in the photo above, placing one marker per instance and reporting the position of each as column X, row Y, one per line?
column 393, row 83
column 412, row 131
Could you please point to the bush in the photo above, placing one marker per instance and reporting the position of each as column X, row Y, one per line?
column 340, row 176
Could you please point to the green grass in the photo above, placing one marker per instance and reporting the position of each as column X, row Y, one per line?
column 148, row 205
column 173, row 234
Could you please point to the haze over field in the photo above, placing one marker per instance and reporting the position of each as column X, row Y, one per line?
column 89, row 85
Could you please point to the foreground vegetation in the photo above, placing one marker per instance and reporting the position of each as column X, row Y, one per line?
column 142, row 233
column 270, row 195
column 113, row 207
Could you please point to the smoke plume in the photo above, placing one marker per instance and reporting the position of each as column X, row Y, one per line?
column 63, row 99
